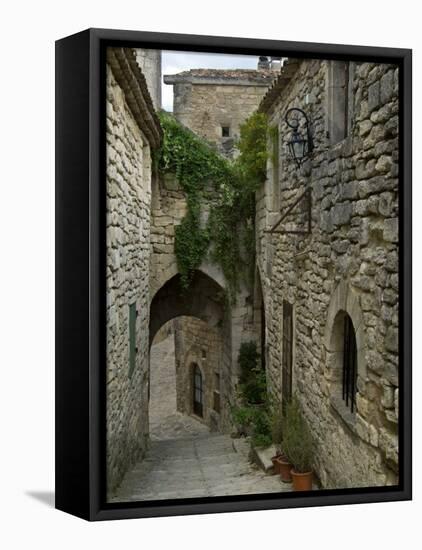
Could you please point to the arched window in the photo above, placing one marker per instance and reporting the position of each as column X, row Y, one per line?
column 350, row 366
column 198, row 393
column 345, row 351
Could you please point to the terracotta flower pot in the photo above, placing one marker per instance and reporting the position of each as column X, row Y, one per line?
column 274, row 460
column 284, row 468
column 301, row 482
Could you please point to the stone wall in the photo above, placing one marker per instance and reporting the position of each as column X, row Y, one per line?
column 348, row 262
column 206, row 104
column 130, row 138
column 168, row 209
column 235, row 323
column 149, row 62
column 198, row 343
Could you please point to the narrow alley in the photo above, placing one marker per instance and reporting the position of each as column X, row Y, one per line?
column 186, row 460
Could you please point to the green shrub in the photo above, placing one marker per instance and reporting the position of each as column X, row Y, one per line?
column 247, row 360
column 252, row 379
column 254, row 412
column 276, row 426
column 229, row 237
column 261, row 440
column 243, row 416
column 298, row 443
column 257, row 419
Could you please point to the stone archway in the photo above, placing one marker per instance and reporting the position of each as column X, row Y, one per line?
column 204, row 299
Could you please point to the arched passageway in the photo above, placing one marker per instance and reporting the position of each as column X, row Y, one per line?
column 204, row 299
column 171, row 407
column 200, row 335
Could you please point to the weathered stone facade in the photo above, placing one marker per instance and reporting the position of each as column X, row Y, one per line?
column 345, row 267
column 196, row 343
column 347, row 264
column 213, row 103
column 132, row 132
column 149, row 62
column 205, row 299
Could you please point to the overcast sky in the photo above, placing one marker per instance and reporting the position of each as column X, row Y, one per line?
column 176, row 62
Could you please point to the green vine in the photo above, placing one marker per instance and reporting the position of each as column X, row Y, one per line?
column 229, row 188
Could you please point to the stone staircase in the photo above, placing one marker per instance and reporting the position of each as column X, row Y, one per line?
column 203, row 466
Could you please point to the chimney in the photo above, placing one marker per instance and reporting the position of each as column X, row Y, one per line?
column 263, row 62
column 275, row 63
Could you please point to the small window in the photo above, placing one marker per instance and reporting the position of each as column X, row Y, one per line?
column 198, row 391
column 132, row 338
column 225, row 131
column 350, row 371
column 204, row 354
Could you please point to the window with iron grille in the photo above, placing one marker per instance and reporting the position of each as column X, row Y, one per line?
column 198, row 392
column 287, row 358
column 350, row 370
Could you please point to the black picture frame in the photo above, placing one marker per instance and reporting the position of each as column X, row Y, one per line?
column 80, row 279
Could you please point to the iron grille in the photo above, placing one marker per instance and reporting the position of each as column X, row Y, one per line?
column 349, row 364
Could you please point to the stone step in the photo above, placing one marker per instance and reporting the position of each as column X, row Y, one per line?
column 208, row 465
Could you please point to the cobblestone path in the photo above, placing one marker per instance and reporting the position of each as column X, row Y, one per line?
column 184, row 459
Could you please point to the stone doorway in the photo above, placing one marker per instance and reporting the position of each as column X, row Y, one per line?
column 166, row 420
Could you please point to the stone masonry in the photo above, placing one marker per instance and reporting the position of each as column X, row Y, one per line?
column 196, row 343
column 345, row 267
column 213, row 103
column 205, row 298
column 132, row 132
column 347, row 264
column 149, row 62
column 185, row 460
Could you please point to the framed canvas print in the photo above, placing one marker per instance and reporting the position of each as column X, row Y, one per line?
column 233, row 274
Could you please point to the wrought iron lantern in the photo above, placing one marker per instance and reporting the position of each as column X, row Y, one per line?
column 300, row 145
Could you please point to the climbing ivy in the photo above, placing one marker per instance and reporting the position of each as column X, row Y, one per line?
column 229, row 187
column 233, row 227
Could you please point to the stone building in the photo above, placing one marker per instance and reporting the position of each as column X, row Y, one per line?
column 214, row 102
column 149, row 62
column 329, row 266
column 203, row 303
column 133, row 132
column 325, row 304
column 143, row 283
column 198, row 352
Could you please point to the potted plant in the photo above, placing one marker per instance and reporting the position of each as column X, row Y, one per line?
column 277, row 437
column 298, row 446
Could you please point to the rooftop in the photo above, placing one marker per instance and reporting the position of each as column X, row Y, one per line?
column 262, row 77
column 283, row 78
